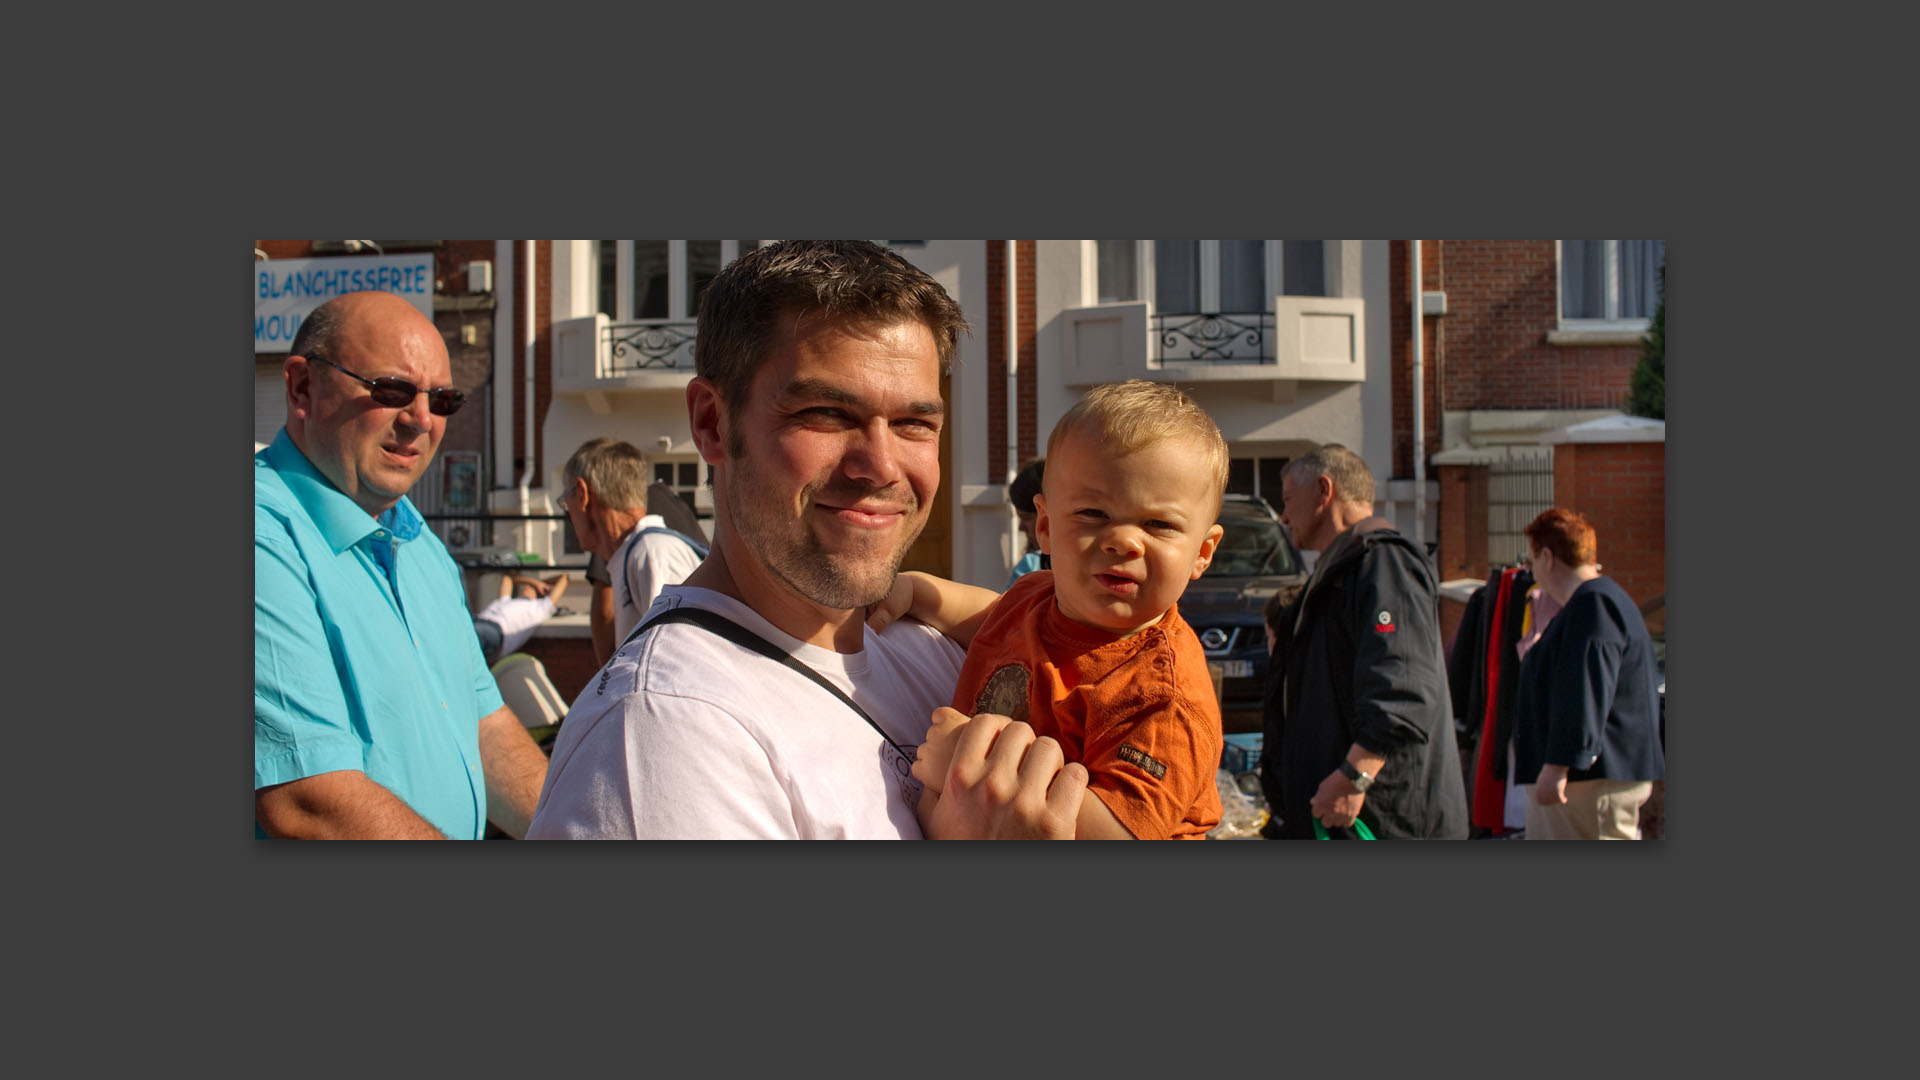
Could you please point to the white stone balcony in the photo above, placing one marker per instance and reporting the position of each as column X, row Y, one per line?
column 597, row 355
column 1304, row 339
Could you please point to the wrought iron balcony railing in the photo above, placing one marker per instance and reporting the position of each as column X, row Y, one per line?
column 649, row 346
column 1231, row 338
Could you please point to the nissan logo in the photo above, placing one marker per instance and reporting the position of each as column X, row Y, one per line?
column 1214, row 639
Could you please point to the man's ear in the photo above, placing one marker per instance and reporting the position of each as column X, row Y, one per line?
column 1323, row 493
column 298, row 373
column 707, row 415
column 1207, row 548
column 1042, row 528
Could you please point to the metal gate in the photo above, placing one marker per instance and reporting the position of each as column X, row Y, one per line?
column 1518, row 490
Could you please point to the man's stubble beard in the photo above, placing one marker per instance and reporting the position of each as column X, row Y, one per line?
column 792, row 553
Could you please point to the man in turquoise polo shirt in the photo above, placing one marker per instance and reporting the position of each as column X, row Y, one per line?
column 374, row 714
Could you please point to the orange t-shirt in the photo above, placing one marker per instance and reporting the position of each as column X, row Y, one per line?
column 1139, row 712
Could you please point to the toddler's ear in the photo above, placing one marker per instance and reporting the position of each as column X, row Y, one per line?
column 1207, row 548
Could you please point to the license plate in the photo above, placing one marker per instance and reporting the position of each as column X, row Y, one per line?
column 1236, row 669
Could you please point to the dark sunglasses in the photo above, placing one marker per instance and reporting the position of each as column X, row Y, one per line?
column 391, row 393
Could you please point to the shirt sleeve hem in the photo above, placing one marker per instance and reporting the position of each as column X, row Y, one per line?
column 310, row 760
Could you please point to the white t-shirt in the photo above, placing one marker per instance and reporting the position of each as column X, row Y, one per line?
column 517, row 617
column 686, row 735
column 641, row 566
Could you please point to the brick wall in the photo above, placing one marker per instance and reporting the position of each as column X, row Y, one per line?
column 1491, row 348
column 568, row 660
column 472, row 364
column 1621, row 489
column 1450, row 613
column 996, row 331
column 1400, row 307
column 1463, row 522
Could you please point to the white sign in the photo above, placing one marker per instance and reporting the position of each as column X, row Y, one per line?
column 286, row 290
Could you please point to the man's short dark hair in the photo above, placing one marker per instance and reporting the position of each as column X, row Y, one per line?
column 315, row 336
column 840, row 281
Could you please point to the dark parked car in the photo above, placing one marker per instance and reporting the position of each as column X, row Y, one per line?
column 1255, row 559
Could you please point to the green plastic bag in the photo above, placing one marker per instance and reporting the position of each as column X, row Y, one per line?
column 1320, row 831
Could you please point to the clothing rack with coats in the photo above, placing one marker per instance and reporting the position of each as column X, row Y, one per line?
column 1482, row 668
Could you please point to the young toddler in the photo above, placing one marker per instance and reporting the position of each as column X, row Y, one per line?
column 1093, row 652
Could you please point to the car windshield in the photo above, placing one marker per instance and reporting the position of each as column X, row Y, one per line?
column 1250, row 546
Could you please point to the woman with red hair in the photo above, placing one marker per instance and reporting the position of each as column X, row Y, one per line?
column 1587, row 705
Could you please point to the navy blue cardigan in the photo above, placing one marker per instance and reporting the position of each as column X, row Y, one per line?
column 1588, row 696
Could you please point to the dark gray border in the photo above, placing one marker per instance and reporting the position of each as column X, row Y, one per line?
column 1315, row 932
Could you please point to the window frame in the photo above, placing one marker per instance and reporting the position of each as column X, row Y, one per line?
column 703, row 476
column 1146, row 279
column 679, row 284
column 1612, row 322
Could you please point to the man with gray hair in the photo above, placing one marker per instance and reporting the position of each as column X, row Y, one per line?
column 1359, row 724
column 603, row 491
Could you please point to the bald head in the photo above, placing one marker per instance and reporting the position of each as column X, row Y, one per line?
column 319, row 328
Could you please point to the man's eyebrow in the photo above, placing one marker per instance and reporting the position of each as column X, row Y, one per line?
column 821, row 390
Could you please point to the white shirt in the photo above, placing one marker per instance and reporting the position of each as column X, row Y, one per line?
column 686, row 735
column 517, row 617
column 641, row 566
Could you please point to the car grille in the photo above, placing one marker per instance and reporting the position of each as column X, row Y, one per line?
column 1218, row 641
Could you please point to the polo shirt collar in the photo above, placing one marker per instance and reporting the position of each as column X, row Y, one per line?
column 340, row 520
column 649, row 521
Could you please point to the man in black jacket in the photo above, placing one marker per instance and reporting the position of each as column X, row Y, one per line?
column 1358, row 718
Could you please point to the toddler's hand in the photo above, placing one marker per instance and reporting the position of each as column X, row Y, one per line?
column 897, row 603
column 936, row 753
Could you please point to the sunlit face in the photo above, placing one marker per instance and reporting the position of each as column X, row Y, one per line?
column 371, row 453
column 1127, row 533
column 583, row 525
column 834, row 459
column 1299, row 512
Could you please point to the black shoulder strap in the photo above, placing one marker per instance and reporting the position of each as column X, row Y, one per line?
column 719, row 624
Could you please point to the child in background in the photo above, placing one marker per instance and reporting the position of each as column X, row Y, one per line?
column 1093, row 652
column 1026, row 484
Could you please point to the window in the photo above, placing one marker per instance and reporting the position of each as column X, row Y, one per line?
column 658, row 279
column 1118, row 278
column 682, row 476
column 1189, row 277
column 1610, row 283
column 1257, row 476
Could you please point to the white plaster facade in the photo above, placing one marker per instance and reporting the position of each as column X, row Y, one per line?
column 1260, row 409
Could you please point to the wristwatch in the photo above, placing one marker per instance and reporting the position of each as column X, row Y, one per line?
column 1361, row 781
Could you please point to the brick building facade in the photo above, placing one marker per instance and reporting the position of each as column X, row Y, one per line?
column 1513, row 365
